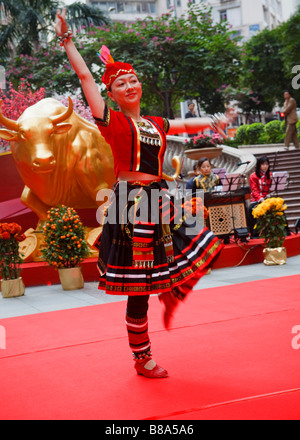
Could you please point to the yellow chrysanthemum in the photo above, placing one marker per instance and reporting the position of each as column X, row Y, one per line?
column 273, row 204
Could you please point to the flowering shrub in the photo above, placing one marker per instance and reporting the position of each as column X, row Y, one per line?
column 10, row 259
column 15, row 101
column 79, row 107
column 204, row 141
column 271, row 221
column 64, row 238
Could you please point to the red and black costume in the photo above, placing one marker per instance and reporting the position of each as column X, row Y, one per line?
column 145, row 248
column 149, row 257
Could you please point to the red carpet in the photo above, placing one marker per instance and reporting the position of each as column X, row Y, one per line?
column 229, row 356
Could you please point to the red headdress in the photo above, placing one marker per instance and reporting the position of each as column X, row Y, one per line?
column 113, row 69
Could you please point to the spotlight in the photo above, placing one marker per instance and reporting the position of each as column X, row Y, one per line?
column 241, row 234
column 297, row 225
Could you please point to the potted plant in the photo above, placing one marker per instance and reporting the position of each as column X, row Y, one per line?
column 10, row 259
column 271, row 223
column 65, row 247
column 204, row 145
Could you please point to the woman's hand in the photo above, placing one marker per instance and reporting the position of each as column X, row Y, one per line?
column 60, row 24
column 222, row 121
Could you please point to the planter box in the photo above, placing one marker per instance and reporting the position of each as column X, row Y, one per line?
column 12, row 288
column 197, row 153
column 71, row 278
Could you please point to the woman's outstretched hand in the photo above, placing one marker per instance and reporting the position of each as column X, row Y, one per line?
column 225, row 120
column 60, row 24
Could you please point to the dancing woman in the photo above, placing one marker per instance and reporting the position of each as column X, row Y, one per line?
column 149, row 256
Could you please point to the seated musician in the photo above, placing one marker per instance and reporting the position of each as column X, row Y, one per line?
column 260, row 182
column 206, row 179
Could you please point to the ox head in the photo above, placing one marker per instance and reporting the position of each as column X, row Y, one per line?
column 35, row 135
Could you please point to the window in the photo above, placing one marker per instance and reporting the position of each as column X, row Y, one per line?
column 223, row 15
column 152, row 7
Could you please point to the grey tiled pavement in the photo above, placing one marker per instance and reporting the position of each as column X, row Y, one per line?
column 49, row 298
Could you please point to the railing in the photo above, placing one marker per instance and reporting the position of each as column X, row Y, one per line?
column 229, row 159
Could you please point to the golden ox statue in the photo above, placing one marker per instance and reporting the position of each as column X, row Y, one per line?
column 62, row 160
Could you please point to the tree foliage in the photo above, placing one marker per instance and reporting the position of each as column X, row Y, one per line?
column 203, row 54
column 29, row 23
column 268, row 63
column 209, row 63
column 263, row 67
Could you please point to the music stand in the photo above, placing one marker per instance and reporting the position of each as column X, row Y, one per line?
column 231, row 182
column 279, row 181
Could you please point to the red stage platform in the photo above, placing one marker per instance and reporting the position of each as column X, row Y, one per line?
column 37, row 274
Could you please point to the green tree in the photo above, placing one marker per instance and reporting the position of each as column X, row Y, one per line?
column 291, row 37
column 203, row 56
column 263, row 67
column 29, row 23
column 244, row 98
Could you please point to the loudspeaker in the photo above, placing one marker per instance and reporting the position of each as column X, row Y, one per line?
column 220, row 218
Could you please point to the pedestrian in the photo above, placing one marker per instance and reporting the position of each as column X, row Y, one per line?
column 139, row 258
column 291, row 119
column 191, row 113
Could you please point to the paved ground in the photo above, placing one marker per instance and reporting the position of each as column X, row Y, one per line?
column 49, row 298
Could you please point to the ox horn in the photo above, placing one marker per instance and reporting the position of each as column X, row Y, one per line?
column 8, row 123
column 65, row 115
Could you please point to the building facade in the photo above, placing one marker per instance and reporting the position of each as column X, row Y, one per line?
column 121, row 10
column 247, row 17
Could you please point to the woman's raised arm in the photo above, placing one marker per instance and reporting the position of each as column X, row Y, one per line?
column 89, row 86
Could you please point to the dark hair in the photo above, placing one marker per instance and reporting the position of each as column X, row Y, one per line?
column 203, row 159
column 259, row 162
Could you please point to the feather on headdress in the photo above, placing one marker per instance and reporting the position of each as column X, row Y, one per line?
column 112, row 69
column 105, row 55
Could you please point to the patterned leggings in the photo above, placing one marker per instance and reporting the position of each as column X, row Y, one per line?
column 137, row 327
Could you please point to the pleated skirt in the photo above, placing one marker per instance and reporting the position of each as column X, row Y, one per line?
column 195, row 247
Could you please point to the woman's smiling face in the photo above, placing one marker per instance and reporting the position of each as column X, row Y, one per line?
column 126, row 90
